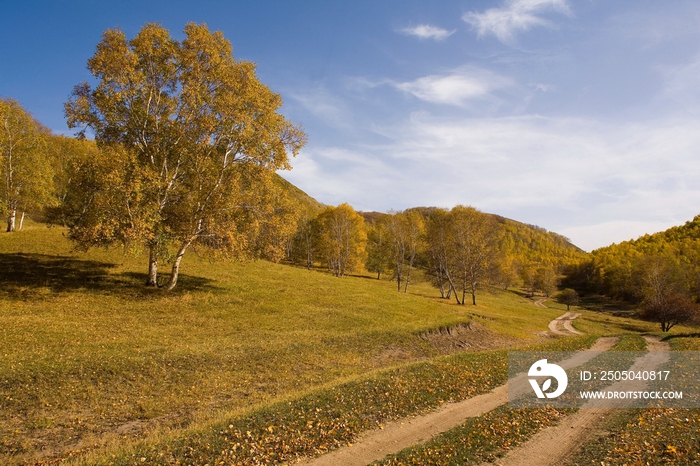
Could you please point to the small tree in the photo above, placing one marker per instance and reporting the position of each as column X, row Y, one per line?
column 546, row 281
column 665, row 301
column 378, row 249
column 671, row 310
column 569, row 297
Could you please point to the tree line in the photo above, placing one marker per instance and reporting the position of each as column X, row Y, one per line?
column 460, row 250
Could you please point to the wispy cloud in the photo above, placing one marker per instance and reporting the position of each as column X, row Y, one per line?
column 514, row 17
column 323, row 105
column 426, row 31
column 456, row 88
column 588, row 173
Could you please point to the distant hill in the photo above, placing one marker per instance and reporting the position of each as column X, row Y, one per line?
column 527, row 244
column 309, row 205
column 533, row 244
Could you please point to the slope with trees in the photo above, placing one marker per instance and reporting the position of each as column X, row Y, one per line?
column 659, row 272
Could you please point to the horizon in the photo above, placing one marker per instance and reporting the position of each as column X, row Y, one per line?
column 578, row 117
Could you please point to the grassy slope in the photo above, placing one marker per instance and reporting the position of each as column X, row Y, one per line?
column 89, row 355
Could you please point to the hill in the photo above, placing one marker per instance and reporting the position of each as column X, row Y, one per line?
column 521, row 242
column 617, row 270
column 89, row 353
column 307, row 204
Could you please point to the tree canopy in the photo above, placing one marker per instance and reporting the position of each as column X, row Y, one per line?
column 190, row 140
column 25, row 167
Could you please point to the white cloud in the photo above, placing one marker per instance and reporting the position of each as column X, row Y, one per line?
column 457, row 88
column 426, row 31
column 516, row 16
column 323, row 105
column 578, row 177
column 680, row 87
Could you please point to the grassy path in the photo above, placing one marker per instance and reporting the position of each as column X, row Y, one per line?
column 396, row 436
column 553, row 445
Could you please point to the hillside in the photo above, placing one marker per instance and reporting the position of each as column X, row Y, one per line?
column 523, row 243
column 308, row 204
column 89, row 353
column 617, row 270
column 533, row 244
column 94, row 363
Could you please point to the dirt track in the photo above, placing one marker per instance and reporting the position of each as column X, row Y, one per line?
column 562, row 324
column 553, row 445
column 394, row 437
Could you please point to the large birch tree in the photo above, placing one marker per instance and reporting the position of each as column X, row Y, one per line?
column 190, row 140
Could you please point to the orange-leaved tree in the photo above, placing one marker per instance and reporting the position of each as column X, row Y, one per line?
column 190, row 140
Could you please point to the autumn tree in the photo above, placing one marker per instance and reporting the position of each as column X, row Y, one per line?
column 306, row 240
column 342, row 239
column 379, row 245
column 472, row 251
column 508, row 271
column 190, row 140
column 405, row 231
column 665, row 301
column 27, row 175
column 438, row 244
column 461, row 250
column 569, row 297
column 546, row 280
column 415, row 236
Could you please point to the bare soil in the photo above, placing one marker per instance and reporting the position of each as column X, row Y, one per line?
column 465, row 337
column 562, row 324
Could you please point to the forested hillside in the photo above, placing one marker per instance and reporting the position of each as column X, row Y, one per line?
column 616, row 270
column 660, row 272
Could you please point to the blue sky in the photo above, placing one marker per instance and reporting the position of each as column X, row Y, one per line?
column 580, row 116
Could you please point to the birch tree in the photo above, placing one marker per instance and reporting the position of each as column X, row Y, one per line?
column 461, row 249
column 198, row 137
column 378, row 249
column 342, row 239
column 27, row 175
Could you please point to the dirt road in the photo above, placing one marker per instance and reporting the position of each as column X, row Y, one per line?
column 562, row 324
column 396, row 436
column 553, row 445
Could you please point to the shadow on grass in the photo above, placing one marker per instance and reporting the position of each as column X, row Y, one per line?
column 600, row 303
column 25, row 276
column 681, row 335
